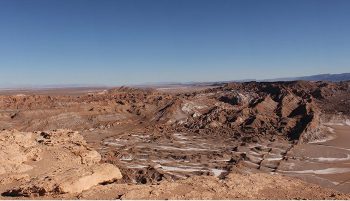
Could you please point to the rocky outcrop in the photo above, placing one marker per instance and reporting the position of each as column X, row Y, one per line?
column 50, row 163
column 70, row 181
column 15, row 149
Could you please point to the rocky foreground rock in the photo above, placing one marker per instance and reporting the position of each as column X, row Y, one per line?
column 234, row 186
column 50, row 163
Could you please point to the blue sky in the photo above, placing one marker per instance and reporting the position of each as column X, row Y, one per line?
column 116, row 42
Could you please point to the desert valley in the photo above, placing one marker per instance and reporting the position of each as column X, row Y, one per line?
column 251, row 140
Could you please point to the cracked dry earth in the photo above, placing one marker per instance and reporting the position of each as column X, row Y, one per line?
column 282, row 140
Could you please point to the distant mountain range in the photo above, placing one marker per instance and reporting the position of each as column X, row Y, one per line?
column 319, row 77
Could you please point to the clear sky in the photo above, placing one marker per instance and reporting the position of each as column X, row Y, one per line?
column 117, row 42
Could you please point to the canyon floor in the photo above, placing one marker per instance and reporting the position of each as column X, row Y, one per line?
column 253, row 140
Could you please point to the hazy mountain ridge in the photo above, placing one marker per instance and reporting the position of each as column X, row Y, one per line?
column 319, row 77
